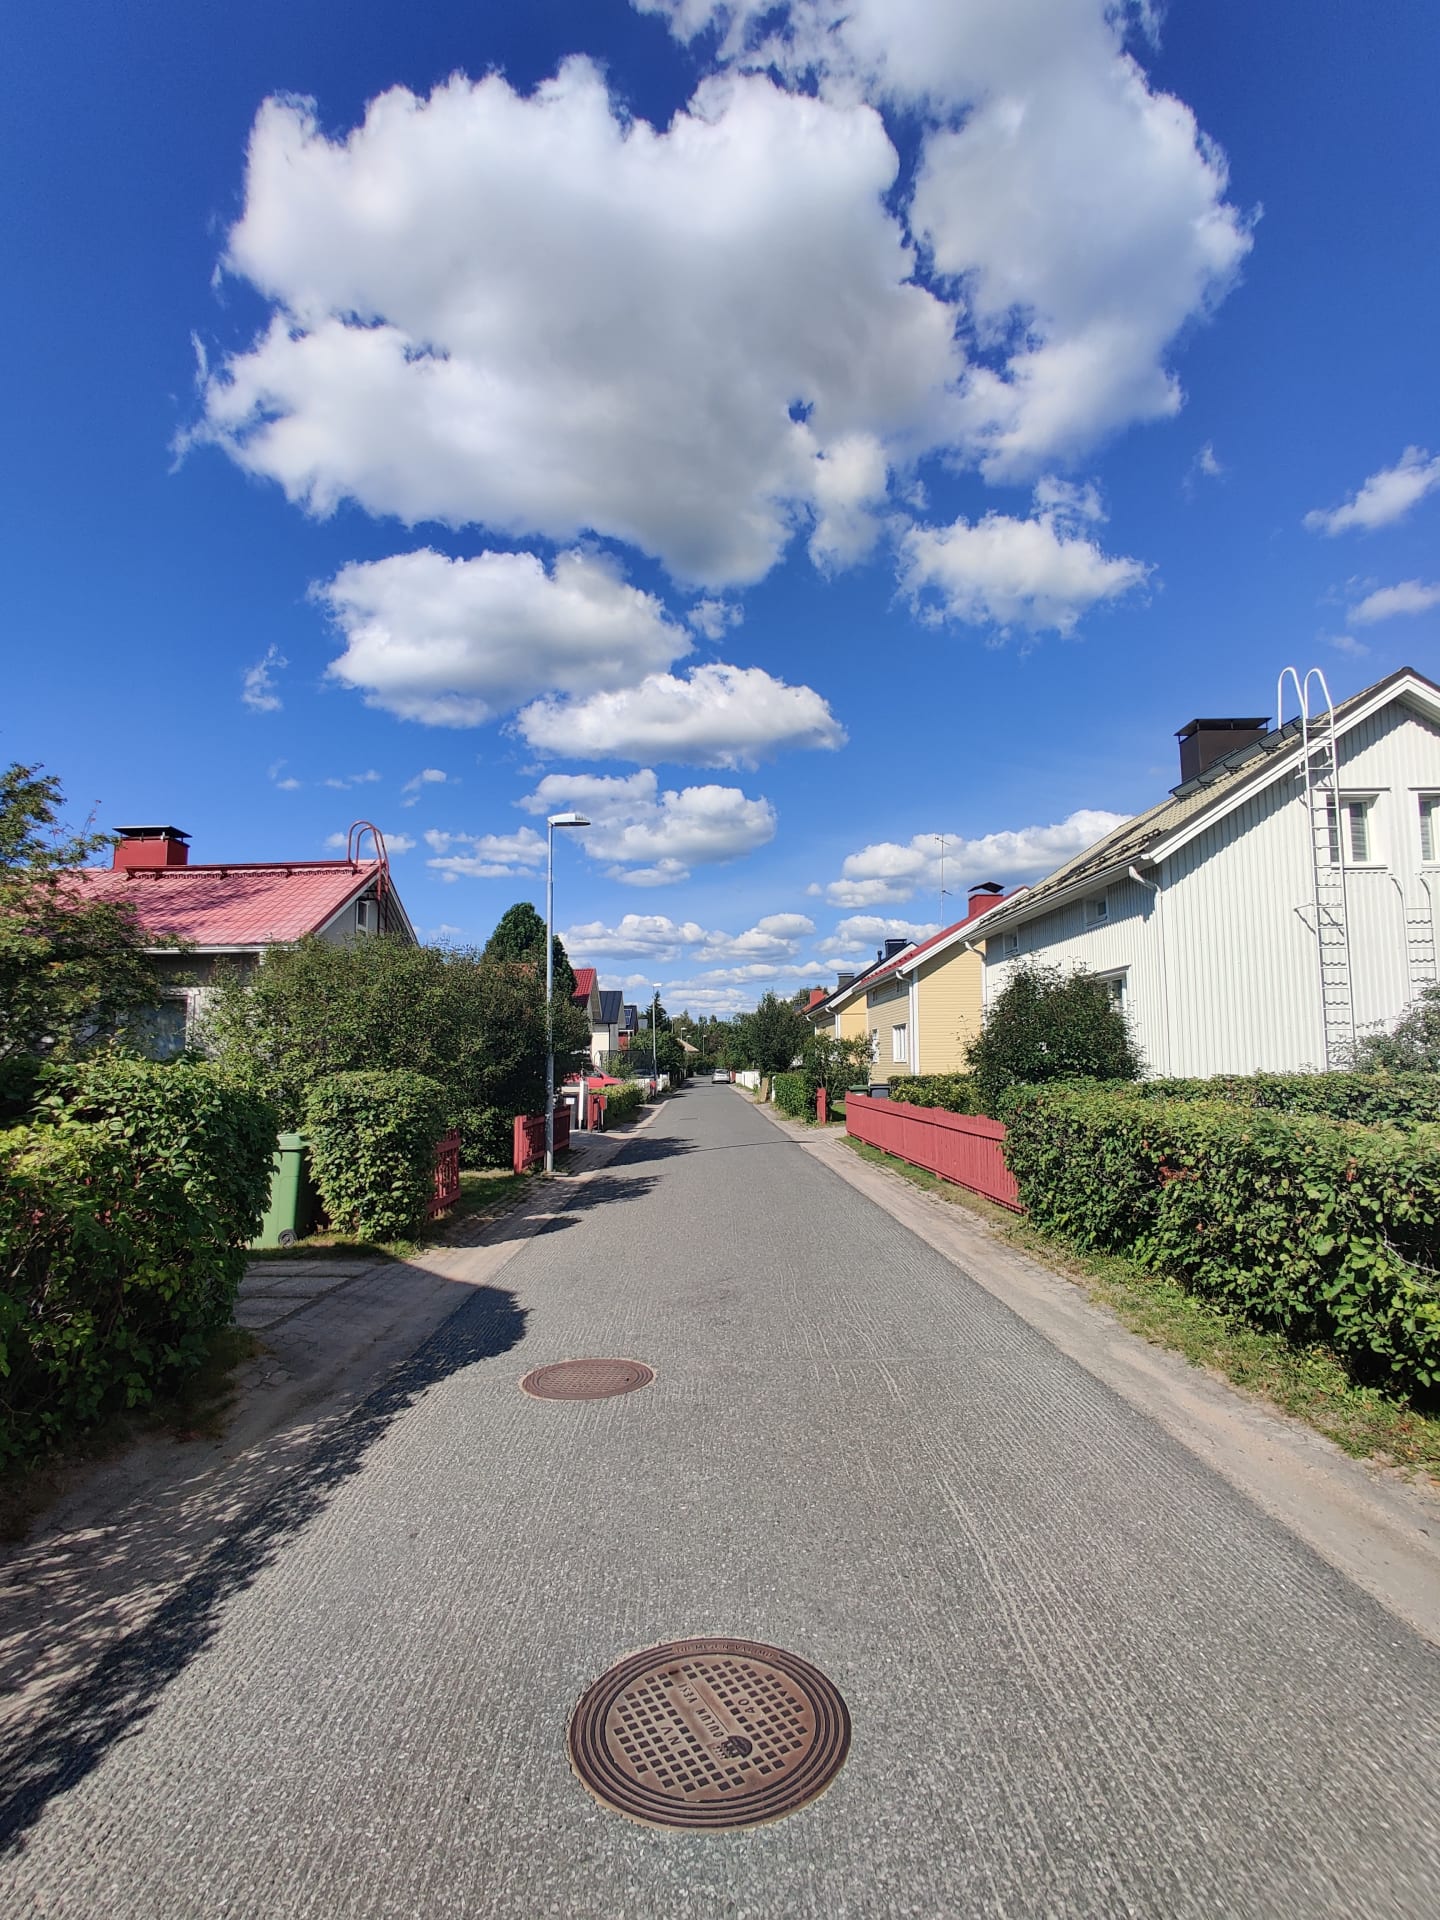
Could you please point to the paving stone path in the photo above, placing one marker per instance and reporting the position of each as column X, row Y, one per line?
column 1086, row 1675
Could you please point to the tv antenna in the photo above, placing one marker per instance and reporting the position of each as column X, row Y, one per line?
column 944, row 890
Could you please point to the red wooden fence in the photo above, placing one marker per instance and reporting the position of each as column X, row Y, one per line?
column 963, row 1147
column 447, row 1174
column 530, row 1137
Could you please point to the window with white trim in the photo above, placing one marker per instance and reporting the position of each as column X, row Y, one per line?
column 1012, row 943
column 1114, row 985
column 1353, row 821
column 1097, row 911
column 900, row 1042
column 364, row 916
column 1430, row 829
column 875, row 1043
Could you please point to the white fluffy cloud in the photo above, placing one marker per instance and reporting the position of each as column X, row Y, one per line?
column 860, row 935
column 543, row 315
column 454, row 642
column 491, row 856
column 999, row 571
column 654, row 936
column 1385, row 497
column 258, row 689
column 888, row 871
column 394, row 842
column 653, row 838
column 427, row 777
column 1410, row 596
column 715, row 716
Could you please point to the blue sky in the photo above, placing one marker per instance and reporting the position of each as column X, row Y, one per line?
column 783, row 433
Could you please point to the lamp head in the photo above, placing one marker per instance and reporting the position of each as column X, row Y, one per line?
column 567, row 820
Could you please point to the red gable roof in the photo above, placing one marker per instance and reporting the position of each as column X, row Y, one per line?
column 232, row 906
column 918, row 952
column 584, row 985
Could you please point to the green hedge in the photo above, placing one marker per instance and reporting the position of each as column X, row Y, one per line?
column 621, row 1102
column 372, row 1148
column 1371, row 1098
column 1321, row 1229
column 791, row 1093
column 124, row 1213
column 955, row 1092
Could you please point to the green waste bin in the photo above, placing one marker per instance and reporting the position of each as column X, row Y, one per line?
column 290, row 1213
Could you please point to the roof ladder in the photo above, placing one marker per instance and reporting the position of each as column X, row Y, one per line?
column 1326, row 825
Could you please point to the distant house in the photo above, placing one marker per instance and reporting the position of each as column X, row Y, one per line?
column 1277, row 903
column 921, row 1007
column 236, row 911
column 629, row 1026
column 842, row 1014
column 605, row 1035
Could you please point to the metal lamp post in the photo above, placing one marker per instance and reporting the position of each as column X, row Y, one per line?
column 555, row 820
column 655, row 1037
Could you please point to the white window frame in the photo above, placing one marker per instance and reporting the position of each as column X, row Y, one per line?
column 1097, row 911
column 1012, row 941
column 1428, row 806
column 362, row 914
column 900, row 1043
column 1117, row 984
column 1359, row 810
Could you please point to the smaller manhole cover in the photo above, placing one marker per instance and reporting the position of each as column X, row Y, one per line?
column 586, row 1379
column 709, row 1733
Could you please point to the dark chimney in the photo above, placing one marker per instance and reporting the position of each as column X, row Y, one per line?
column 142, row 848
column 843, row 980
column 1203, row 742
column 894, row 947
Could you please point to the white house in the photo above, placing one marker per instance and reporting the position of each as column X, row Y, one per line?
column 1279, row 902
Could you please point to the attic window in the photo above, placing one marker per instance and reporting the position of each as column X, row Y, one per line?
column 1012, row 942
column 1429, row 838
column 1354, row 815
column 364, row 916
column 1098, row 911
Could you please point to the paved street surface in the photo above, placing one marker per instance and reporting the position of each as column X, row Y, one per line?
column 1087, row 1677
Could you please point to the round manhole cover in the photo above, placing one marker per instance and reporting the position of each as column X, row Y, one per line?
column 709, row 1733
column 586, row 1379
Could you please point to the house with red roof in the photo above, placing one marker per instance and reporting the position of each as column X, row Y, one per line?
column 237, row 910
column 920, row 1003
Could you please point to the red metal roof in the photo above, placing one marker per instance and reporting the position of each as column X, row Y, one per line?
column 584, row 984
column 237, row 905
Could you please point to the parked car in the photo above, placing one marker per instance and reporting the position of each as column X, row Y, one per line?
column 720, row 1077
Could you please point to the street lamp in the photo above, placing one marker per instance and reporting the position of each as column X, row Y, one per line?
column 655, row 1037
column 555, row 820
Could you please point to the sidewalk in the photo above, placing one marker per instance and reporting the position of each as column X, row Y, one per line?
column 127, row 1531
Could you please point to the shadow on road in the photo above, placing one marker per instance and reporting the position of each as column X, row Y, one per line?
column 81, row 1724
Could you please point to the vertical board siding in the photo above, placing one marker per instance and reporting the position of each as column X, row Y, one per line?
column 949, row 995
column 964, row 1148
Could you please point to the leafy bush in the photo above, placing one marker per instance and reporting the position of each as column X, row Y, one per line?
column 1371, row 1098
column 835, row 1065
column 372, row 1148
column 955, row 1092
column 621, row 1102
column 793, row 1096
column 124, row 1213
column 1412, row 1045
column 475, row 1025
column 1048, row 1025
column 1321, row 1229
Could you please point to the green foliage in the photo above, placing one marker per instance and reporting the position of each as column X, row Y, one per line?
column 792, row 1095
column 72, row 974
column 476, row 1026
column 772, row 1038
column 124, row 1212
column 519, row 937
column 622, row 1102
column 372, row 1149
column 1320, row 1229
column 1048, row 1025
column 1371, row 1098
column 1412, row 1045
column 955, row 1092
column 835, row 1065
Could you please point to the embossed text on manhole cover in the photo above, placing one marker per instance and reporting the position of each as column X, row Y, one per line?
column 710, row 1734
column 586, row 1379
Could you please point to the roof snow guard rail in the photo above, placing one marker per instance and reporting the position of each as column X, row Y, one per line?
column 354, row 839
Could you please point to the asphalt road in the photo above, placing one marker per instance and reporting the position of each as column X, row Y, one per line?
column 1086, row 1676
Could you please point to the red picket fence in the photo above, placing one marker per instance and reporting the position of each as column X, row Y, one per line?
column 963, row 1147
column 447, row 1174
column 530, row 1137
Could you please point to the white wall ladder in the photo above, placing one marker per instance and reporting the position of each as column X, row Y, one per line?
column 1327, row 824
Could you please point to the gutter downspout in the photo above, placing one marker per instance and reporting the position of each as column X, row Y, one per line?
column 1154, row 887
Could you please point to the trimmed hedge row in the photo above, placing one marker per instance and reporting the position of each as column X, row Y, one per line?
column 954, row 1092
column 791, row 1093
column 1321, row 1229
column 124, row 1213
column 1371, row 1098
column 372, row 1148
column 621, row 1102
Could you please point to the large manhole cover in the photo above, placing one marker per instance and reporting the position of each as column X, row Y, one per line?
column 586, row 1379
column 709, row 1733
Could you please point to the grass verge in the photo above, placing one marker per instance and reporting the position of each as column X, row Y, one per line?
column 1306, row 1382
